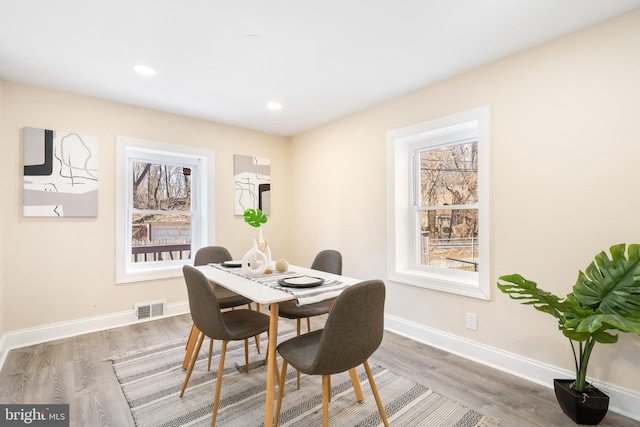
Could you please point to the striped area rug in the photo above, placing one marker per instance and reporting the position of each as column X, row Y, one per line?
column 151, row 380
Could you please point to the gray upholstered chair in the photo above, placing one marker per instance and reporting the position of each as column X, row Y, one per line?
column 352, row 332
column 226, row 298
column 218, row 254
column 329, row 261
column 227, row 326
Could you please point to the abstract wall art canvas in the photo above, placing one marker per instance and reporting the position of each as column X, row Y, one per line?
column 60, row 173
column 252, row 180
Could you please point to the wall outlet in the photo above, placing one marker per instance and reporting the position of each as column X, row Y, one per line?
column 472, row 321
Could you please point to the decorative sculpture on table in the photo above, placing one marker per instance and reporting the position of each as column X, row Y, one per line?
column 258, row 259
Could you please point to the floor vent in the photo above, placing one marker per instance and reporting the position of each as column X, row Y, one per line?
column 146, row 310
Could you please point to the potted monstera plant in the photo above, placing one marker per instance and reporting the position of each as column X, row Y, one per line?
column 604, row 300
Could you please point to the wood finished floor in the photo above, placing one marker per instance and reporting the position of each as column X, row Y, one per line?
column 74, row 371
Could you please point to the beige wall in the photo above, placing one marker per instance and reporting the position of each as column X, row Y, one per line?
column 565, row 146
column 61, row 269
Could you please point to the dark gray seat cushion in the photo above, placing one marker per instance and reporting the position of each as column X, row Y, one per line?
column 290, row 310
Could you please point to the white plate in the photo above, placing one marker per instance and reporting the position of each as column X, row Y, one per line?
column 301, row 282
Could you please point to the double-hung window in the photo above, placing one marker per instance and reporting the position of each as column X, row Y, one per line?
column 162, row 205
column 438, row 204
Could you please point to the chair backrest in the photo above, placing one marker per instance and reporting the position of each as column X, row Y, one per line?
column 353, row 330
column 211, row 254
column 329, row 261
column 203, row 304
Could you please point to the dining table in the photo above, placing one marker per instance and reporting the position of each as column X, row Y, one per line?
column 266, row 291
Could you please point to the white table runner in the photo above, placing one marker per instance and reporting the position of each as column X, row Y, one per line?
column 330, row 289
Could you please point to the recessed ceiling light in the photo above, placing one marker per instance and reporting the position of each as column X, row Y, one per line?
column 274, row 106
column 252, row 40
column 145, row 70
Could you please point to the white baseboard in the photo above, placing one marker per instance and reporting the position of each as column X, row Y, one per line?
column 622, row 401
column 25, row 337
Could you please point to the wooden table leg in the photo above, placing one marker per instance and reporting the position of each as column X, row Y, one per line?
column 191, row 343
column 271, row 365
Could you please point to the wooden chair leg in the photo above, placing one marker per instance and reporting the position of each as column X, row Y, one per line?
column 308, row 324
column 192, row 364
column 186, row 346
column 191, row 342
column 283, row 376
column 246, row 356
column 374, row 389
column 356, row 384
column 257, row 337
column 216, row 399
column 210, row 354
column 326, row 391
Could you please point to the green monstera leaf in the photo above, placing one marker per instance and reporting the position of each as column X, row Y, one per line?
column 602, row 322
column 528, row 293
column 612, row 286
column 255, row 217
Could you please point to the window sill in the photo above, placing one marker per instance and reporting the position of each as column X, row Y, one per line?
column 150, row 274
column 442, row 283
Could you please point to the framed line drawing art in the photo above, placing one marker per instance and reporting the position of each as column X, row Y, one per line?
column 252, row 181
column 60, row 174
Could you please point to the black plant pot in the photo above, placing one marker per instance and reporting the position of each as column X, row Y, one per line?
column 583, row 408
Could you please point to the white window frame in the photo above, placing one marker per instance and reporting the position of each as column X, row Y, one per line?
column 202, row 196
column 404, row 264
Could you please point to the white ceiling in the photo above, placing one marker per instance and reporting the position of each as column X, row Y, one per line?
column 321, row 60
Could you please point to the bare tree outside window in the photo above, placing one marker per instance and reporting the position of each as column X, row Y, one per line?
column 449, row 206
column 161, row 216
